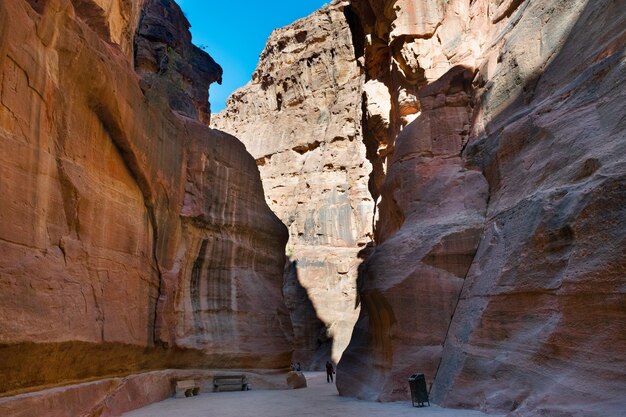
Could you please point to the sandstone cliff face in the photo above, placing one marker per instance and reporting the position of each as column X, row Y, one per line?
column 300, row 116
column 132, row 237
column 496, row 134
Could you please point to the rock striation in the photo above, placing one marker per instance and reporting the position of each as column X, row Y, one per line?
column 480, row 144
column 132, row 236
column 300, row 117
column 496, row 134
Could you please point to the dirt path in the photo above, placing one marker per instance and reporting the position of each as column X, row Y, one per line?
column 320, row 399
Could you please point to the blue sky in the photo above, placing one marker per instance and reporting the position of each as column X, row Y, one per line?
column 234, row 34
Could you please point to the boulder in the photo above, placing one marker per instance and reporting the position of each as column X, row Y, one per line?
column 296, row 380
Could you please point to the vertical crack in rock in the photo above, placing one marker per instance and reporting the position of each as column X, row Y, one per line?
column 129, row 158
column 356, row 30
column 194, row 286
column 431, row 216
column 92, row 14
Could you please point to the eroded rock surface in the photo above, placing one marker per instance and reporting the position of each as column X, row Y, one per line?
column 431, row 215
column 544, row 294
column 300, row 117
column 132, row 236
column 171, row 67
column 499, row 261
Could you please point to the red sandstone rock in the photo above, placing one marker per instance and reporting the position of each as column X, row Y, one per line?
column 131, row 237
column 431, row 217
column 540, row 312
column 171, row 67
column 122, row 223
column 537, row 329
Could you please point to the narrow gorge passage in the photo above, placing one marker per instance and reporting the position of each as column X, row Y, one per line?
column 301, row 118
column 454, row 169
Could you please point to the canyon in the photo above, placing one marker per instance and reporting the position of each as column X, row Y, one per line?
column 300, row 117
column 448, row 181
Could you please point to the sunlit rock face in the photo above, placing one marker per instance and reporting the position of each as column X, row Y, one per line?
column 496, row 134
column 132, row 236
column 300, row 117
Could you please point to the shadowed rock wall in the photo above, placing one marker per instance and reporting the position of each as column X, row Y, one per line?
column 300, row 117
column 496, row 134
column 132, row 237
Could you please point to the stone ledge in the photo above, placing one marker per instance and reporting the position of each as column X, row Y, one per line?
column 114, row 396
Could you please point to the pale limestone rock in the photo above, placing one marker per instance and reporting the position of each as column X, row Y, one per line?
column 378, row 105
column 300, row 116
column 413, row 18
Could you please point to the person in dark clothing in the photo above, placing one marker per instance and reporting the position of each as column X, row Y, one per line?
column 330, row 370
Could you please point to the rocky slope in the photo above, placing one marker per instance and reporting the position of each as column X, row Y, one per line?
column 300, row 117
column 496, row 133
column 132, row 236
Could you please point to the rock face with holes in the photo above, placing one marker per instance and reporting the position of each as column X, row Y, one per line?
column 132, row 236
column 300, row 117
column 496, row 134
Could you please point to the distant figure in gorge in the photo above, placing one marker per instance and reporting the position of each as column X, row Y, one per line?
column 330, row 370
column 298, row 367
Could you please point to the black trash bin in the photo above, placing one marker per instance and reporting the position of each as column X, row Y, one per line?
column 419, row 393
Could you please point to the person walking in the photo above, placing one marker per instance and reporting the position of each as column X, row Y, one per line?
column 330, row 370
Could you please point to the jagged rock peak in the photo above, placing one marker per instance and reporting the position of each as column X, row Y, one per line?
column 165, row 56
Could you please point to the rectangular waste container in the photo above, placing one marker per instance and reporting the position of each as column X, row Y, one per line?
column 419, row 393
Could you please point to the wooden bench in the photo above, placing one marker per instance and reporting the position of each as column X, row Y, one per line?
column 230, row 381
column 187, row 388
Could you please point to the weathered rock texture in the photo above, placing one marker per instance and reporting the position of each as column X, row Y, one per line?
column 132, row 237
column 300, row 116
column 496, row 134
column 171, row 67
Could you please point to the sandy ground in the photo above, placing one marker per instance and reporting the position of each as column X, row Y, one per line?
column 319, row 399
